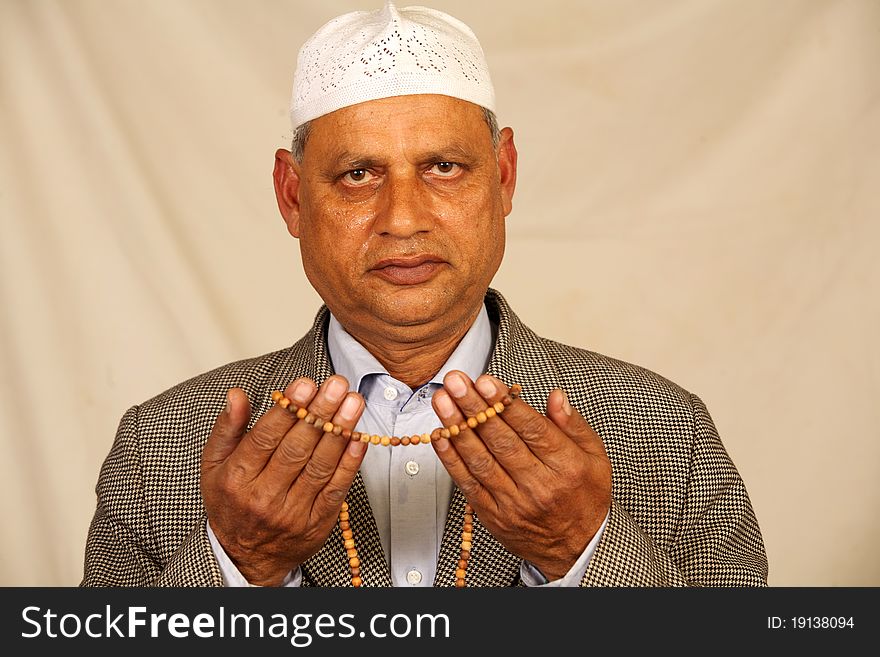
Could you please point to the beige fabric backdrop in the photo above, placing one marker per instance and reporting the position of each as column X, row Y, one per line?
column 698, row 194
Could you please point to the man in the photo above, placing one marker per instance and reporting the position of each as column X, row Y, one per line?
column 397, row 187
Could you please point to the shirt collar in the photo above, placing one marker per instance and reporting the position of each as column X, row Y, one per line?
column 351, row 360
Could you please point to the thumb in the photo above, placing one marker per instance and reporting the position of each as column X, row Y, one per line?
column 567, row 418
column 229, row 427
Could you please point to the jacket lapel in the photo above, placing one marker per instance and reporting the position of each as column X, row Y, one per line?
column 517, row 356
column 520, row 356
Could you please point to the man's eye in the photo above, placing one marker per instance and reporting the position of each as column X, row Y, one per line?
column 445, row 169
column 357, row 177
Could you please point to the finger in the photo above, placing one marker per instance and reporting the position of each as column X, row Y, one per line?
column 325, row 458
column 229, row 427
column 504, row 443
column 537, row 432
column 330, row 498
column 296, row 446
column 575, row 426
column 255, row 448
column 467, row 459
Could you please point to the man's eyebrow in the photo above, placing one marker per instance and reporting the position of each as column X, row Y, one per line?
column 453, row 152
column 350, row 160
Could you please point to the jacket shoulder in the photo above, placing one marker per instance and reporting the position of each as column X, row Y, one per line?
column 576, row 365
column 249, row 374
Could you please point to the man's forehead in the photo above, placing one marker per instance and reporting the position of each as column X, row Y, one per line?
column 424, row 121
column 437, row 109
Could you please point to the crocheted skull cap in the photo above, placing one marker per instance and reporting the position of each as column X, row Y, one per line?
column 366, row 55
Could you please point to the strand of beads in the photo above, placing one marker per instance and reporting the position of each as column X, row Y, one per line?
column 451, row 431
column 354, row 563
column 467, row 536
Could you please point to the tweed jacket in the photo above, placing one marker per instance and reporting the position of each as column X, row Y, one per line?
column 680, row 514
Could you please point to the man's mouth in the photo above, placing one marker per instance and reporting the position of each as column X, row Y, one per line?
column 410, row 270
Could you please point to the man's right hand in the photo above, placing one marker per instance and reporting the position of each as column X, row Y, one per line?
column 273, row 493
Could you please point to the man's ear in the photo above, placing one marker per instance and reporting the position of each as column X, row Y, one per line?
column 507, row 167
column 286, row 178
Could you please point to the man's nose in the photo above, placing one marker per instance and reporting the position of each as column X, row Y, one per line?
column 405, row 207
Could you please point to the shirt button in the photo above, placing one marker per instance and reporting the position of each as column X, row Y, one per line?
column 414, row 577
column 412, row 469
column 390, row 393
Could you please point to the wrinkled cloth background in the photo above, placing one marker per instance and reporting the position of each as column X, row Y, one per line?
column 698, row 194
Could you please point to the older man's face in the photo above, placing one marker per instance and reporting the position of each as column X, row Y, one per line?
column 399, row 205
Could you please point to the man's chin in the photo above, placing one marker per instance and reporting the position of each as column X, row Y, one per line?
column 414, row 305
column 404, row 313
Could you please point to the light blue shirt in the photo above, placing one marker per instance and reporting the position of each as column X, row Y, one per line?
column 408, row 488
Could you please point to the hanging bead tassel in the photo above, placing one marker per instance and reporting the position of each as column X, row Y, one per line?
column 467, row 535
column 354, row 563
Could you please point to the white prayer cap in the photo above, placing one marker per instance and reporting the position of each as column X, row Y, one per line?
column 365, row 55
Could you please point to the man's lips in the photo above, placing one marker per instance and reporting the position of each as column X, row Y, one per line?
column 410, row 270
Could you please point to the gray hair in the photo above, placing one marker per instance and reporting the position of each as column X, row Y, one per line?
column 301, row 134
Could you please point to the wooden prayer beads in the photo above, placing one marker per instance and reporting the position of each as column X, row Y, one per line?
column 393, row 441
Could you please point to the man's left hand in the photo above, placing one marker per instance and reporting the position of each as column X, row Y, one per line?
column 541, row 485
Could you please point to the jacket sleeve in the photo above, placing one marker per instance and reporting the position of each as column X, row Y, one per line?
column 717, row 541
column 121, row 547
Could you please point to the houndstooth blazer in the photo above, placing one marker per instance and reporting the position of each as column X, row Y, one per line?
column 680, row 514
